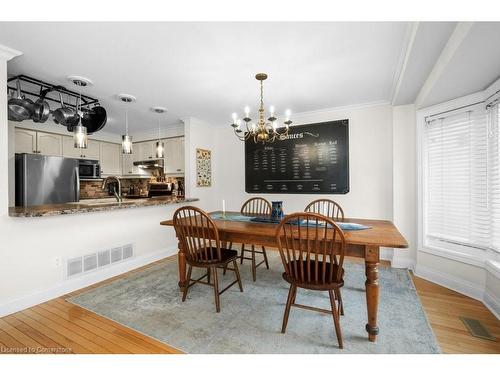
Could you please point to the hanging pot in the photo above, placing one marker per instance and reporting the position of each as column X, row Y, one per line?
column 20, row 108
column 65, row 115
column 41, row 110
column 95, row 119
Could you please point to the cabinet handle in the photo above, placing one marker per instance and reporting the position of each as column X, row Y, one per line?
column 178, row 170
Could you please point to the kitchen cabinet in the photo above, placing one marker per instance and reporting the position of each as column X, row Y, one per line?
column 49, row 144
column 110, row 158
column 33, row 142
column 174, row 155
column 69, row 150
column 128, row 167
column 25, row 141
column 144, row 150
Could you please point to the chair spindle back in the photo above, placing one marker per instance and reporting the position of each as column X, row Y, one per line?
column 198, row 235
column 307, row 242
column 326, row 207
column 256, row 205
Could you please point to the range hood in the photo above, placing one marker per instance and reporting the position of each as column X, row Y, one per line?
column 150, row 164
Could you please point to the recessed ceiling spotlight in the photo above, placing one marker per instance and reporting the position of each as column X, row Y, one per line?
column 80, row 81
column 127, row 98
column 159, row 109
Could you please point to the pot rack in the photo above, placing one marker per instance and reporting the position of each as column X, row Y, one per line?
column 35, row 85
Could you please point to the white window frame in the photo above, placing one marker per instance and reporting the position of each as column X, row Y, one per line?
column 469, row 255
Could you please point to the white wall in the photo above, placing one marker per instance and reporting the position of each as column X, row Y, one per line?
column 199, row 134
column 404, row 182
column 370, row 164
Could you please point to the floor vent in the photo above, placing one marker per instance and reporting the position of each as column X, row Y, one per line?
column 90, row 262
column 477, row 329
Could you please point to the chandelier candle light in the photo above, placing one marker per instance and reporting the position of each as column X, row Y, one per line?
column 265, row 131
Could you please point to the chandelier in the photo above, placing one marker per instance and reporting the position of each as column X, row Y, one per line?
column 265, row 131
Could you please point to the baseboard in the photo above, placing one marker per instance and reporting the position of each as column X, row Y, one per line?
column 492, row 303
column 73, row 284
column 403, row 262
column 451, row 282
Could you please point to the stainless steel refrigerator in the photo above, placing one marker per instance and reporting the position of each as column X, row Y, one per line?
column 46, row 180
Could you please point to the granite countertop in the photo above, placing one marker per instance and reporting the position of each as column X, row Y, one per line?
column 93, row 205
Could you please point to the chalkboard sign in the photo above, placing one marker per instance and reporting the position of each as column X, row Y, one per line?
column 313, row 159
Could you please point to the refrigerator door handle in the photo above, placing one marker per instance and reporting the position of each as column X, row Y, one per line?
column 77, row 185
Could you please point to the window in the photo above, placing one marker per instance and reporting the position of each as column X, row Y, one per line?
column 461, row 176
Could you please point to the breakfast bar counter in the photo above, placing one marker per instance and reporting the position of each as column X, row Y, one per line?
column 94, row 205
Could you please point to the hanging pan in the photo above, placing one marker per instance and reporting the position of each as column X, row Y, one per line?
column 20, row 108
column 41, row 110
column 95, row 119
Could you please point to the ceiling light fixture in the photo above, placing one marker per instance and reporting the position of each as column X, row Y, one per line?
column 80, row 139
column 160, row 150
column 126, row 139
column 80, row 81
column 262, row 131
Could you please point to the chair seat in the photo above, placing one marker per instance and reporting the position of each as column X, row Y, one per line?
column 227, row 255
column 315, row 285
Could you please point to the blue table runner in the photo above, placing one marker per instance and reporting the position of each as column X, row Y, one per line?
column 261, row 219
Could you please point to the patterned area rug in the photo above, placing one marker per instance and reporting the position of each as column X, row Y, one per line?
column 149, row 301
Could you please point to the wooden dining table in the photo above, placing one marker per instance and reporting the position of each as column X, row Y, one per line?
column 364, row 244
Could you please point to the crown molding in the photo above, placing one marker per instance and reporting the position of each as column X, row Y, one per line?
column 7, row 53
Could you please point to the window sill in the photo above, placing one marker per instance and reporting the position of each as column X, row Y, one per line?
column 455, row 255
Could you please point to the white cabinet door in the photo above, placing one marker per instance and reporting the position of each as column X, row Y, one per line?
column 68, row 148
column 49, row 144
column 145, row 150
column 110, row 156
column 25, row 141
column 174, row 156
column 180, row 165
column 92, row 151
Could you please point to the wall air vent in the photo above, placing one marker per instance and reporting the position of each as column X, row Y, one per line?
column 103, row 258
column 74, row 266
column 89, row 262
column 95, row 261
column 116, row 254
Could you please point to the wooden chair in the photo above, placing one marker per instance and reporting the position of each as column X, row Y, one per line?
column 199, row 238
column 257, row 206
column 326, row 207
column 312, row 250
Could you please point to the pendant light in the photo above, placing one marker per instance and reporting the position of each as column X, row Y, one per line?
column 80, row 136
column 126, row 139
column 80, row 139
column 160, row 150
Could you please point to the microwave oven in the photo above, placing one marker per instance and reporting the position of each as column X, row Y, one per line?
column 89, row 169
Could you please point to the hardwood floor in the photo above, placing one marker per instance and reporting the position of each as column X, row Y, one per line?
column 58, row 326
column 444, row 307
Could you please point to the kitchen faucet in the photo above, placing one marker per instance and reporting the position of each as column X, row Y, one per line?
column 118, row 195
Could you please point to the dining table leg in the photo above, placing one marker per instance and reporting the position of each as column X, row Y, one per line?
column 372, row 259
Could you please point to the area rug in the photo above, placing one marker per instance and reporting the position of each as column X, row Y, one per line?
column 149, row 301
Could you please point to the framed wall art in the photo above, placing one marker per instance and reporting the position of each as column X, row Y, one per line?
column 203, row 167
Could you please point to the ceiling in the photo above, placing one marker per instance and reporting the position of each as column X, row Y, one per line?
column 207, row 70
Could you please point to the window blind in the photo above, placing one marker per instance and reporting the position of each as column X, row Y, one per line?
column 494, row 175
column 462, row 187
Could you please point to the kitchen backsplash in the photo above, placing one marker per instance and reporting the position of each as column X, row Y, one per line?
column 92, row 189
